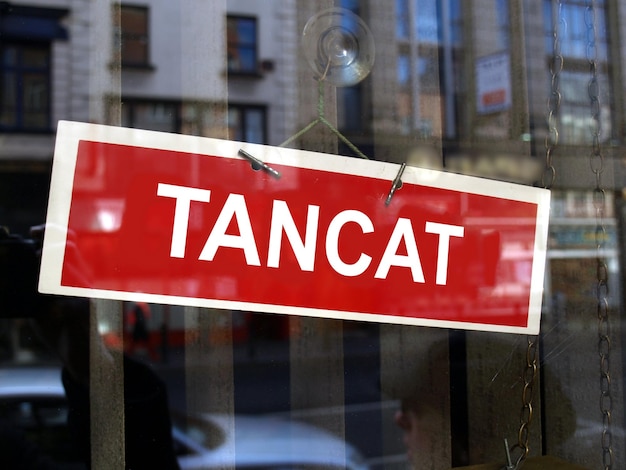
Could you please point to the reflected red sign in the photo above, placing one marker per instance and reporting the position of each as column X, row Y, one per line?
column 163, row 218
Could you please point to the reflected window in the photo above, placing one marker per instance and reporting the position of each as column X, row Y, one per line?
column 404, row 70
column 579, row 45
column 504, row 24
column 350, row 117
column 24, row 87
column 134, row 36
column 350, row 108
column 403, row 19
column 247, row 123
column 428, row 21
column 429, row 66
column 152, row 115
column 574, row 30
column 438, row 22
column 404, row 107
column 242, row 44
column 576, row 119
column 428, row 72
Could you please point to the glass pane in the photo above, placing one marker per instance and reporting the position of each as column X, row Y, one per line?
column 8, row 99
column 255, row 126
column 576, row 30
column 134, row 51
column 246, row 60
column 428, row 73
column 25, row 87
column 427, row 21
column 402, row 19
column 235, row 126
column 134, row 26
column 134, row 21
column 349, row 101
column 35, row 93
column 155, row 116
column 32, row 57
column 242, row 46
column 456, row 19
column 9, row 55
column 246, row 31
column 404, row 72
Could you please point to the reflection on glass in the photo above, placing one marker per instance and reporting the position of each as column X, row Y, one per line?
column 332, row 375
column 24, row 87
column 242, row 44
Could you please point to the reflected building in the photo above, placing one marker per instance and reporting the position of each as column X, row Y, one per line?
column 470, row 80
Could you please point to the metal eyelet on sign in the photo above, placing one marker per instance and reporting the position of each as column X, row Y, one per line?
column 262, row 165
column 397, row 183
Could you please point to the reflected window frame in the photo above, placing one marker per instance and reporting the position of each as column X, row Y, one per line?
column 242, row 44
column 240, row 123
column 162, row 115
column 575, row 117
column 133, row 35
column 15, row 71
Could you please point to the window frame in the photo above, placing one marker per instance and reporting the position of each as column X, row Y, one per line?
column 132, row 103
column 20, row 70
column 243, row 108
column 123, row 36
column 238, row 45
column 576, row 65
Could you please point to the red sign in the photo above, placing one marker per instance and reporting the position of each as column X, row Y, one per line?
column 495, row 97
column 163, row 218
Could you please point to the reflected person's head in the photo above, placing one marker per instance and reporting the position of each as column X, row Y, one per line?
column 421, row 384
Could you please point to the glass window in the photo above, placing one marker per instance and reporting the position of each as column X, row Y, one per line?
column 242, row 44
column 404, row 70
column 350, row 109
column 403, row 19
column 578, row 46
column 437, row 22
column 247, row 123
column 151, row 115
column 504, row 23
column 134, row 36
column 24, row 87
column 428, row 21
column 430, row 95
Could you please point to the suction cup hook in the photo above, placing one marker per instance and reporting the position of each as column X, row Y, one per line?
column 338, row 46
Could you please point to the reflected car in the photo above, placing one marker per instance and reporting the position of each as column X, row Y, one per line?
column 33, row 399
column 212, row 440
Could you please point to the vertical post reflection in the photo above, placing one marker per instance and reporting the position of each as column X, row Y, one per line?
column 106, row 383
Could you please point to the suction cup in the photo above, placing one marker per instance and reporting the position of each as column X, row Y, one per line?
column 338, row 46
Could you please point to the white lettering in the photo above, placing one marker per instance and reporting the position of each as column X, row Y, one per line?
column 282, row 220
column 235, row 206
column 332, row 243
column 402, row 230
column 183, row 196
column 445, row 232
column 304, row 248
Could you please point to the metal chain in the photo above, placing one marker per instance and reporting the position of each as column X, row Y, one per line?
column 596, row 161
column 554, row 100
column 528, row 392
column 547, row 180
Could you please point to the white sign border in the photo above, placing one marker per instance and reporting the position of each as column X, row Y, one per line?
column 69, row 134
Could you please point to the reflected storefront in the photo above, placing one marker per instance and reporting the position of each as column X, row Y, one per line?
column 507, row 97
